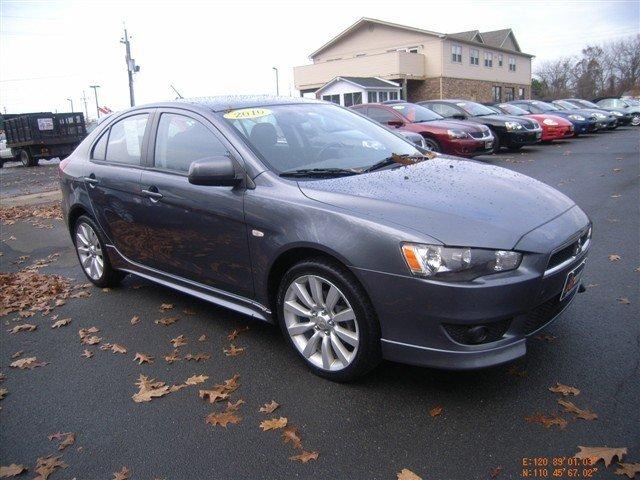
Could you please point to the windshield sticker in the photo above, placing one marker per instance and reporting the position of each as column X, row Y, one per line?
column 398, row 107
column 372, row 144
column 247, row 113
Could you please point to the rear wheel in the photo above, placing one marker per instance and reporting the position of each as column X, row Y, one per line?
column 432, row 144
column 92, row 254
column 496, row 142
column 635, row 120
column 328, row 319
column 27, row 159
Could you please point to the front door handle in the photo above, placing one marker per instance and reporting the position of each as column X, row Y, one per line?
column 153, row 193
column 91, row 180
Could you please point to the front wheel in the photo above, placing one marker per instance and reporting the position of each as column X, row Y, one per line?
column 328, row 319
column 514, row 148
column 432, row 144
column 635, row 120
column 92, row 254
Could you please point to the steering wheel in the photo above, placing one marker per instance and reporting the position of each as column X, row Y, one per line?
column 324, row 149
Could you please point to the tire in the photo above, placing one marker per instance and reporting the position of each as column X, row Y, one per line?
column 635, row 120
column 27, row 159
column 432, row 144
column 514, row 148
column 496, row 142
column 364, row 327
column 86, row 234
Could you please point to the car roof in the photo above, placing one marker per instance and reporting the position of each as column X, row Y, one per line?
column 232, row 102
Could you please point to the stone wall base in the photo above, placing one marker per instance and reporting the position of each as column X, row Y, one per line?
column 447, row 87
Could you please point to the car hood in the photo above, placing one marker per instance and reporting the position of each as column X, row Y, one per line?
column 499, row 120
column 541, row 117
column 457, row 202
column 452, row 123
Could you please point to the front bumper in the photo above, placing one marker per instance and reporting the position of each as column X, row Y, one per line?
column 556, row 132
column 523, row 138
column 470, row 147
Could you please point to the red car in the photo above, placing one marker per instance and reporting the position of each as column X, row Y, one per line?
column 553, row 126
column 454, row 137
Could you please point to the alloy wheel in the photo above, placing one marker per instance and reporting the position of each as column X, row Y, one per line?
column 431, row 145
column 89, row 251
column 321, row 322
column 635, row 120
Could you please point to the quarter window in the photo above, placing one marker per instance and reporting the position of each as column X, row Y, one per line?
column 125, row 140
column 100, row 148
column 488, row 59
column 182, row 140
column 512, row 64
column 456, row 53
column 474, row 56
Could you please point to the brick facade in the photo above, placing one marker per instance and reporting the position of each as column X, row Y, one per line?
column 476, row 90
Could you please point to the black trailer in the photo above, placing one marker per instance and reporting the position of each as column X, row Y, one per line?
column 45, row 135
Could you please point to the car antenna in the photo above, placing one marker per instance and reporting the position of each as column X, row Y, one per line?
column 177, row 92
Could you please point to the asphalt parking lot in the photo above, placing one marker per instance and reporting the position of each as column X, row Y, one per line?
column 371, row 429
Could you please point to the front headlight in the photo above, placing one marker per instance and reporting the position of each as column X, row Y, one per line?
column 580, row 118
column 457, row 264
column 600, row 115
column 548, row 121
column 513, row 126
column 617, row 114
column 457, row 134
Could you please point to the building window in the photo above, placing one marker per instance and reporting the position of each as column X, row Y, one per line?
column 393, row 95
column 508, row 94
column 474, row 56
column 521, row 93
column 383, row 96
column 331, row 98
column 372, row 97
column 499, row 59
column 512, row 64
column 496, row 93
column 352, row 99
column 488, row 59
column 413, row 50
column 456, row 53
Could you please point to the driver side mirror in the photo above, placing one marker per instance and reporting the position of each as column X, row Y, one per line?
column 218, row 171
column 459, row 116
column 395, row 123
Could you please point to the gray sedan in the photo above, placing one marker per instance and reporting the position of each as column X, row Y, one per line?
column 359, row 244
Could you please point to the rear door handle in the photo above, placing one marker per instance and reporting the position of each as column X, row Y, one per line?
column 152, row 193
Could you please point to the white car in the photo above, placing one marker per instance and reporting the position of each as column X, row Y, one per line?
column 6, row 155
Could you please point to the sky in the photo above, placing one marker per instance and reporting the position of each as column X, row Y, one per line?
column 51, row 51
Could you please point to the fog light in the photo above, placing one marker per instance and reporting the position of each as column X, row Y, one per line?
column 477, row 334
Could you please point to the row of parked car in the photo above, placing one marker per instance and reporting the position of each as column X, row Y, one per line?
column 465, row 128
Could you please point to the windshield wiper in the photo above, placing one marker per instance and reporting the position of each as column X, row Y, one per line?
column 319, row 172
column 404, row 159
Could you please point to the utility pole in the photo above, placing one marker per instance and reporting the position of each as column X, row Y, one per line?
column 277, row 84
column 86, row 113
column 131, row 65
column 95, row 92
column 71, row 102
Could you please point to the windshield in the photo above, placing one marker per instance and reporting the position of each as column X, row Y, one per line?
column 315, row 136
column 416, row 113
column 544, row 106
column 475, row 109
column 584, row 104
column 632, row 102
column 512, row 109
column 564, row 105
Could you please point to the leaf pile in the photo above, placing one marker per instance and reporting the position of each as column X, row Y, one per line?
column 34, row 213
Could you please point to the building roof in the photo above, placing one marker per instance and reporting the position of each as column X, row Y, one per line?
column 494, row 38
column 367, row 83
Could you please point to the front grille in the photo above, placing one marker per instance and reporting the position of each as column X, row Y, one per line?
column 545, row 312
column 479, row 134
column 571, row 250
column 494, row 331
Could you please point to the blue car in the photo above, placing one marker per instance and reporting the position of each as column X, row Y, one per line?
column 583, row 122
column 608, row 119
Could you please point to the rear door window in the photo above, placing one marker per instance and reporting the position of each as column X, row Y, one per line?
column 182, row 140
column 125, row 140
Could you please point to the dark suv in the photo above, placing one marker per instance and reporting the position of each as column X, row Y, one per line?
column 357, row 243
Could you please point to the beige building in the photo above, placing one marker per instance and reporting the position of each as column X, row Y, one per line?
column 481, row 66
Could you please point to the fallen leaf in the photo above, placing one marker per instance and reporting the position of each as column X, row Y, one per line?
column 196, row 379
column 166, row 321
column 516, row 372
column 149, row 389
column 628, row 469
column 124, row 474
column 174, row 357
column 269, row 407
column 213, row 395
column 198, row 357
column 545, row 337
column 47, row 465
column 605, row 454
column 233, row 351
column 114, row 347
column 291, row 435
column 578, row 412
column 564, row 389
column 17, row 354
column 166, row 306
column 435, row 411
column 68, row 439
column 85, row 332
column 12, row 470
column 3, row 393
column 25, row 327
column 222, row 418
column 143, row 358
column 406, row 474
column 494, row 472
column 232, row 407
column 61, row 323
column 27, row 363
column 546, row 421
column 304, row 457
column 106, row 289
column 624, row 301
column 87, row 354
column 179, row 341
column 273, row 424
column 614, row 257
column 591, row 285
column 188, row 311
column 202, row 338
column 92, row 340
column 134, row 320
column 234, row 334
